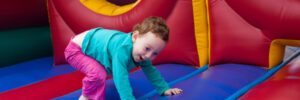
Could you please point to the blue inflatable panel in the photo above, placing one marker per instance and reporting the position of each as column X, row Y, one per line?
column 139, row 82
column 216, row 83
column 30, row 72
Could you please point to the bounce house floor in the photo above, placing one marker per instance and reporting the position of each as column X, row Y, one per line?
column 30, row 72
column 217, row 82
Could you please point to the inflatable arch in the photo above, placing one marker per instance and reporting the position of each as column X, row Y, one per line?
column 179, row 50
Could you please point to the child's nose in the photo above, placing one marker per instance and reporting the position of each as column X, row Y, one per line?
column 148, row 56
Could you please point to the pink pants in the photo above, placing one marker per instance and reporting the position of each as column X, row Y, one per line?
column 94, row 81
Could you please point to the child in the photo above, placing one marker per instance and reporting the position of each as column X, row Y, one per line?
column 100, row 52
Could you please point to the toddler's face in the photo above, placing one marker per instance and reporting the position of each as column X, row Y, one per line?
column 146, row 47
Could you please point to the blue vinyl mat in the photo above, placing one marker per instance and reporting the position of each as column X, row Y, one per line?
column 139, row 82
column 216, row 83
column 30, row 72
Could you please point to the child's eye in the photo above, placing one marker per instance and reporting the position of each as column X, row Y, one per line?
column 147, row 49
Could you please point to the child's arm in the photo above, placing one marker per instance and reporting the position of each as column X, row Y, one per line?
column 120, row 76
column 154, row 77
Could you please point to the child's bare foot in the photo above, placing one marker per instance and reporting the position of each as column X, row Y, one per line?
column 83, row 98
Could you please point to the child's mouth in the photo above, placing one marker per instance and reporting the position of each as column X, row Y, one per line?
column 141, row 58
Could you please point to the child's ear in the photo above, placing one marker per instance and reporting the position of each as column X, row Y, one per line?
column 135, row 35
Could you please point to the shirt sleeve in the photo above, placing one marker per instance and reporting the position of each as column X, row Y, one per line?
column 120, row 75
column 154, row 77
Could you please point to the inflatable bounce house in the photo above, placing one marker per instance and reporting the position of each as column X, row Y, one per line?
column 218, row 49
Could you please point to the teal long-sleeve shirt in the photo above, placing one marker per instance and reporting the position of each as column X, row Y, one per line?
column 113, row 49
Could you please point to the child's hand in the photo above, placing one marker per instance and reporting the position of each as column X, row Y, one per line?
column 172, row 91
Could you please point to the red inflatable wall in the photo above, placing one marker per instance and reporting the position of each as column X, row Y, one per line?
column 242, row 30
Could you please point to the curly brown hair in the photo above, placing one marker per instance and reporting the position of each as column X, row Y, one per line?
column 155, row 25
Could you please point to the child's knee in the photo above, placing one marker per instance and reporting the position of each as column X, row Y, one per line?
column 97, row 77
